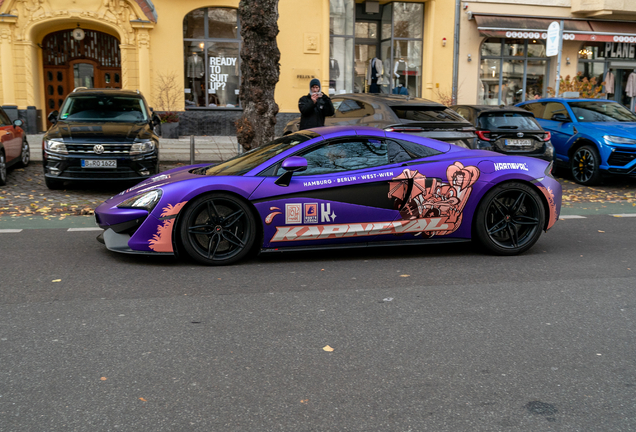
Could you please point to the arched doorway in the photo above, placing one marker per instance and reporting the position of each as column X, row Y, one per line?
column 93, row 62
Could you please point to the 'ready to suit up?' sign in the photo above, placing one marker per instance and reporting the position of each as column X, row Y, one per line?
column 220, row 69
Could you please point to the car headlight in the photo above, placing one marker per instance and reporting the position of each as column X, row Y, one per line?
column 55, row 146
column 147, row 200
column 142, row 147
column 619, row 140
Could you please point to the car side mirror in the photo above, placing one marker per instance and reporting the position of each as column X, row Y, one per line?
column 53, row 116
column 291, row 165
column 17, row 123
column 560, row 117
column 155, row 120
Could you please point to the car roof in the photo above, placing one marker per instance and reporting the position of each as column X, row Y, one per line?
column 328, row 131
column 389, row 99
column 483, row 109
column 557, row 99
column 104, row 91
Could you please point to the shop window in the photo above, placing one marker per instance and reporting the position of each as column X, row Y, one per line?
column 341, row 45
column 592, row 61
column 49, row 75
column 512, row 71
column 212, row 46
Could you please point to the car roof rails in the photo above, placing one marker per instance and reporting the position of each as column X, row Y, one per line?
column 79, row 88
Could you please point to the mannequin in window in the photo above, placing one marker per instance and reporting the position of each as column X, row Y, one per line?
column 374, row 71
column 334, row 73
column 400, row 88
column 609, row 83
column 630, row 89
column 400, row 68
column 195, row 71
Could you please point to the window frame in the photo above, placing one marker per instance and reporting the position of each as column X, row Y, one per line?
column 206, row 43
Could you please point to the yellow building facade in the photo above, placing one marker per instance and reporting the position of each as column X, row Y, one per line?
column 185, row 55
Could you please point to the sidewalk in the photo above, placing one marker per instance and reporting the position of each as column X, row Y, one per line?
column 206, row 148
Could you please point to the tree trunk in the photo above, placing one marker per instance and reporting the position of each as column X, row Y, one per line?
column 260, row 70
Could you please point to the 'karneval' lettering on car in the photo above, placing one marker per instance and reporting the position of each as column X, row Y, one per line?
column 320, row 232
column 511, row 166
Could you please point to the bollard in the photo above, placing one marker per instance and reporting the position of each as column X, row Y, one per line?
column 191, row 149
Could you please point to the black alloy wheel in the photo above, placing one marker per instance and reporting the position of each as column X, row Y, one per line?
column 585, row 165
column 3, row 169
column 509, row 219
column 217, row 229
column 25, row 155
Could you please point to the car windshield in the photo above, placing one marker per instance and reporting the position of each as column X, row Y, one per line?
column 104, row 108
column 508, row 120
column 427, row 114
column 601, row 112
column 247, row 161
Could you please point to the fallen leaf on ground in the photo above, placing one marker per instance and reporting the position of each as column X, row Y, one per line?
column 142, row 399
column 405, row 275
column 56, row 280
column 328, row 348
column 600, row 231
column 103, row 378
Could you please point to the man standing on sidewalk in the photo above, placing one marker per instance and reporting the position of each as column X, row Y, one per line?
column 314, row 107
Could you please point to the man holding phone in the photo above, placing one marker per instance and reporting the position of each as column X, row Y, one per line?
column 314, row 107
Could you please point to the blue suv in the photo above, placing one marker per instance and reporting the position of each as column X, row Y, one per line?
column 590, row 136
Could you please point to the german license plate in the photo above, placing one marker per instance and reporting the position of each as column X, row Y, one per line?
column 518, row 142
column 99, row 163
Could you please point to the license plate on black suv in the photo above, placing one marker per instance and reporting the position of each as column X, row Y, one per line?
column 99, row 163
column 518, row 142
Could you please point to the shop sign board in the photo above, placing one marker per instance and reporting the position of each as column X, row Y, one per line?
column 552, row 45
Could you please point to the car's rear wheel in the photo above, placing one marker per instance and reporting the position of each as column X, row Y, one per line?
column 218, row 229
column 585, row 165
column 3, row 169
column 509, row 219
column 25, row 155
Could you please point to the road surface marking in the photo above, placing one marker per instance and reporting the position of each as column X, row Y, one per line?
column 572, row 217
column 10, row 230
column 624, row 215
column 85, row 229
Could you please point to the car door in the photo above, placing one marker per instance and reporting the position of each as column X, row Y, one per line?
column 561, row 129
column 11, row 138
column 342, row 197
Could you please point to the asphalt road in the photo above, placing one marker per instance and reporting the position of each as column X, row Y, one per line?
column 424, row 339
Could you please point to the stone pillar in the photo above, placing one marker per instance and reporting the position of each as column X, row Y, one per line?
column 6, row 64
column 143, row 60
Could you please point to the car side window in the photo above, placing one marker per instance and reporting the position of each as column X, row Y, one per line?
column 4, row 120
column 403, row 151
column 344, row 155
column 463, row 112
column 553, row 108
column 536, row 108
column 349, row 108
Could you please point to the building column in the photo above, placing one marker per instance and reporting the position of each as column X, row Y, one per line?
column 7, row 73
column 143, row 56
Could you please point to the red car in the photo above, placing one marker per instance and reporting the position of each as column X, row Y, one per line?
column 14, row 148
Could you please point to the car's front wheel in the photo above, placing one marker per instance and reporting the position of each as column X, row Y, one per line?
column 509, row 219
column 53, row 184
column 585, row 165
column 25, row 155
column 217, row 229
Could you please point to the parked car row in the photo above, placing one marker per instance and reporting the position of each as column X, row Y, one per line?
column 107, row 134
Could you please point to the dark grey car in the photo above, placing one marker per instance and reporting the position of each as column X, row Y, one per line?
column 398, row 113
column 508, row 130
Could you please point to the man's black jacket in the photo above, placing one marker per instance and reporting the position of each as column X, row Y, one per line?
column 313, row 114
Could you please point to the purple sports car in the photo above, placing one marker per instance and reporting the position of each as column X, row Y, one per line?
column 336, row 187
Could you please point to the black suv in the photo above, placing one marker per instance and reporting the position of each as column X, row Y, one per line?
column 101, row 134
column 508, row 130
column 398, row 113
